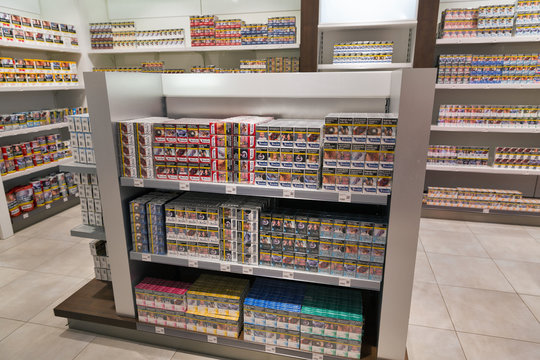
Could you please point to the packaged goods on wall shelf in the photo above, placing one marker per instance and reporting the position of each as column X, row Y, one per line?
column 268, row 65
column 32, row 72
column 146, row 67
column 496, row 116
column 358, row 151
column 37, row 118
column 458, row 155
column 102, row 266
column 489, row 69
column 81, row 139
column 517, row 158
column 359, row 52
column 40, row 151
column 122, row 35
column 91, row 209
column 40, row 192
column 507, row 200
column 24, row 30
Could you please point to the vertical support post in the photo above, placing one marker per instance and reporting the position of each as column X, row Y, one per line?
column 6, row 228
column 308, row 35
column 414, row 94
column 426, row 33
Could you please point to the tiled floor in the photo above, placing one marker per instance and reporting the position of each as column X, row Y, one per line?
column 476, row 295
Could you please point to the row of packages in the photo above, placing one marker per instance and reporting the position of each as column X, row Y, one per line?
column 474, row 193
column 31, row 119
column 458, row 155
column 14, row 65
column 22, row 22
column 489, row 115
column 517, row 158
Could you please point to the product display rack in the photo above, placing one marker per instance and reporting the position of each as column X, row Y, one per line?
column 35, row 129
column 88, row 232
column 40, row 88
column 27, row 219
column 485, row 129
column 36, row 47
column 341, row 67
column 72, row 166
column 486, row 86
column 481, row 169
column 298, row 96
column 197, row 49
column 489, row 40
column 35, row 169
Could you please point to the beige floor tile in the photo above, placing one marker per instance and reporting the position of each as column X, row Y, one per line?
column 425, row 343
column 7, row 275
column 179, row 355
column 8, row 326
column 452, row 243
column 12, row 241
column 27, row 296
column 478, row 347
column 497, row 229
column 466, row 271
column 506, row 247
column 31, row 254
column 109, row 348
column 492, row 313
column 445, row 225
column 534, row 231
column 533, row 302
column 427, row 307
column 32, row 342
column 422, row 269
column 420, row 247
column 75, row 261
column 524, row 276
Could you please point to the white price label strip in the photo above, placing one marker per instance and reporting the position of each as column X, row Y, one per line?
column 225, row 267
column 248, row 270
column 344, row 282
column 193, row 263
column 48, row 206
column 146, row 257
column 183, row 186
column 344, row 197
column 25, row 216
column 212, row 339
column 317, row 356
column 288, row 193
column 160, row 330
column 270, row 349
column 485, row 211
column 230, row 189
column 288, row 275
column 138, row 182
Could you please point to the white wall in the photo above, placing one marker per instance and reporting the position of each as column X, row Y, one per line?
column 369, row 11
column 21, row 7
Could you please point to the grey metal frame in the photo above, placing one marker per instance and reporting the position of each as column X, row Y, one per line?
column 114, row 97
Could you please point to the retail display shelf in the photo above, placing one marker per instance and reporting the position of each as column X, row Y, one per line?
column 39, row 88
column 368, row 66
column 487, row 86
column 197, row 49
column 30, row 218
column 489, row 40
column 265, row 271
column 479, row 210
column 491, row 129
column 35, row 169
column 252, row 190
column 72, row 166
column 237, row 343
column 33, row 129
column 38, row 47
column 88, row 232
column 369, row 25
column 481, row 170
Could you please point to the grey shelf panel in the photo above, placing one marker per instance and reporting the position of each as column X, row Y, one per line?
column 252, row 190
column 30, row 218
column 264, row 271
column 480, row 211
column 237, row 343
column 78, row 168
column 88, row 232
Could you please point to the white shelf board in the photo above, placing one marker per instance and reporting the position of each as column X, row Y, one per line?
column 88, row 232
column 35, row 169
column 487, row 86
column 369, row 25
column 72, row 166
column 7, row 88
column 38, row 47
column 481, row 170
column 489, row 40
column 197, row 49
column 368, row 66
column 488, row 129
column 33, row 129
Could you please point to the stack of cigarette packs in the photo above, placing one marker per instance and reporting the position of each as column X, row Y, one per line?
column 528, row 18
column 80, row 131
column 102, row 265
column 458, row 155
column 215, row 305
column 91, row 207
column 458, row 23
column 321, row 242
column 359, row 152
column 521, row 116
column 358, row 52
column 32, row 119
column 517, row 158
column 37, row 72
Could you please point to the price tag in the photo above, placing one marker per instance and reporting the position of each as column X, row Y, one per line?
column 225, row 267
column 183, row 186
column 248, row 270
column 344, row 282
column 160, row 330
column 288, row 275
column 230, row 189
column 25, row 216
column 48, row 206
column 288, row 193
column 146, row 257
column 485, row 211
column 317, row 356
column 344, row 197
column 65, row 199
column 138, row 182
column 193, row 263
column 212, row 339
column 270, row 349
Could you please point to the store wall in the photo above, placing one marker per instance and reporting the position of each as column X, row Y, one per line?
column 354, row 11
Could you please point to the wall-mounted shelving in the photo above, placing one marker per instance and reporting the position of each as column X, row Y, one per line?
column 197, row 49
column 34, row 129
column 485, row 129
column 40, row 88
column 37, row 47
column 35, row 169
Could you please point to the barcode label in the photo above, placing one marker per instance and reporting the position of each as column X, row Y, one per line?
column 146, row 257
column 193, row 263
column 344, row 282
column 288, row 275
column 138, row 182
column 160, row 330
column 288, row 193
column 212, row 339
column 225, row 267
column 230, row 189
column 344, row 197
column 184, row 186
